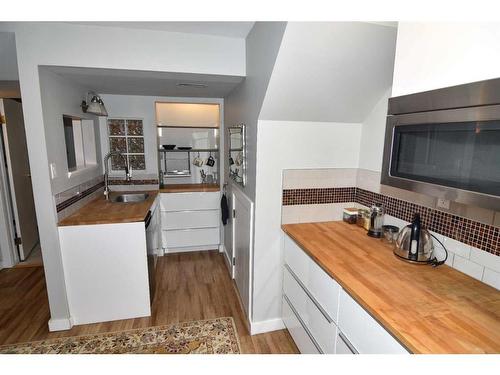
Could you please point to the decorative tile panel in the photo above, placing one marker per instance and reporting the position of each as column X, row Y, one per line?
column 127, row 137
column 116, row 127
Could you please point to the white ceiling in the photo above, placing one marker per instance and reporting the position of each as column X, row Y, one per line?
column 330, row 71
column 132, row 82
column 226, row 29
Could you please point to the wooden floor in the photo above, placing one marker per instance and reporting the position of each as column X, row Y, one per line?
column 190, row 286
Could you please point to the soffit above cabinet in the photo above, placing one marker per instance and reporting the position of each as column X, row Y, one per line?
column 187, row 115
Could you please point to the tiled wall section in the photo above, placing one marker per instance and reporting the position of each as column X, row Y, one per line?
column 69, row 201
column 117, row 181
column 481, row 236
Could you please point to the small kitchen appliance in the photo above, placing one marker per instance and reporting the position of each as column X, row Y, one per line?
column 414, row 243
column 376, row 220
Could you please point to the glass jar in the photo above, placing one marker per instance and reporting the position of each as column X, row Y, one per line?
column 363, row 219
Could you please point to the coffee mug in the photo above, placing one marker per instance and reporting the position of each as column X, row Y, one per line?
column 210, row 161
column 198, row 161
column 239, row 159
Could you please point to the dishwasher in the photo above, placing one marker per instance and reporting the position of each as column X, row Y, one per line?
column 151, row 224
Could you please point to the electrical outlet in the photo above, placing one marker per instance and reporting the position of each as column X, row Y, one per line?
column 443, row 203
column 53, row 171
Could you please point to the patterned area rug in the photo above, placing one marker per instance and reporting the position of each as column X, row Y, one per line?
column 213, row 336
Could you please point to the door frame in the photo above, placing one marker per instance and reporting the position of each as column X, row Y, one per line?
column 10, row 256
column 236, row 192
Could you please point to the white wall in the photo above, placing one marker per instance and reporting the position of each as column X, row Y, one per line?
column 289, row 145
column 373, row 135
column 433, row 55
column 244, row 103
column 330, row 71
column 62, row 44
column 86, row 46
column 61, row 97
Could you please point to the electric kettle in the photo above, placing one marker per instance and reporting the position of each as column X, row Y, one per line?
column 414, row 243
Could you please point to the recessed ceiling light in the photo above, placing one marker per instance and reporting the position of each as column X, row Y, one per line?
column 197, row 85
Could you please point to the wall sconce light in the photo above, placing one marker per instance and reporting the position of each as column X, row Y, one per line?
column 96, row 105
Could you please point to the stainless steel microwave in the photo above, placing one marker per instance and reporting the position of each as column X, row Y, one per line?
column 446, row 143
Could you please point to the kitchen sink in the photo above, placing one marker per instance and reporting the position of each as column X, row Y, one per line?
column 129, row 198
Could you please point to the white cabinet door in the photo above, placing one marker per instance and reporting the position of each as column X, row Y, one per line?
column 322, row 287
column 297, row 331
column 190, row 219
column 343, row 346
column 319, row 325
column 365, row 334
column 242, row 246
column 190, row 201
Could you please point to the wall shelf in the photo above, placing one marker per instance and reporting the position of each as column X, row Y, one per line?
column 191, row 150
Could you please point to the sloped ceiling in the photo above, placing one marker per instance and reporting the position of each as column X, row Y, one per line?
column 330, row 71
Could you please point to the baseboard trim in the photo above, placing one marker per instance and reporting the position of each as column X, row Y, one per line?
column 60, row 324
column 266, row 326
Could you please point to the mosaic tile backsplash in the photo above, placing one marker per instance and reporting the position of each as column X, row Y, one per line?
column 482, row 236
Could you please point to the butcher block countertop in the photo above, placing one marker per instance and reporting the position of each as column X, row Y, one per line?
column 186, row 188
column 100, row 211
column 429, row 310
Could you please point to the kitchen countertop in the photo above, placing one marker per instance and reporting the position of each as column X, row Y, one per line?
column 429, row 310
column 100, row 211
column 185, row 188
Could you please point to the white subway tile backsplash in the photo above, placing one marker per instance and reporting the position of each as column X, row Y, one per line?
column 319, row 178
column 491, row 278
column 457, row 247
column 290, row 214
column 368, row 180
column 469, row 268
column 485, row 259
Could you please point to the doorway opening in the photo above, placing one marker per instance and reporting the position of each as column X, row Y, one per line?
column 20, row 229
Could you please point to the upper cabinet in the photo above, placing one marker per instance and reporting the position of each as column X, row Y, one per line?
column 187, row 115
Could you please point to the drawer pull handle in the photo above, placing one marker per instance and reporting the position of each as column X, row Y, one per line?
column 303, row 324
column 311, row 297
column 348, row 343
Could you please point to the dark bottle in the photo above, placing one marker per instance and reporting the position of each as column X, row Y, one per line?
column 415, row 237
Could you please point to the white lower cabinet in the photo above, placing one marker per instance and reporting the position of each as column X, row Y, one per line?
column 300, row 336
column 190, row 221
column 320, row 325
column 363, row 332
column 322, row 317
column 343, row 346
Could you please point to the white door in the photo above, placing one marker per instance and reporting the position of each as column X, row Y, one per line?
column 23, row 205
column 242, row 246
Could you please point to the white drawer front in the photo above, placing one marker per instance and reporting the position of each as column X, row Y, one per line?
column 363, row 332
column 190, row 201
column 191, row 237
column 190, row 219
column 342, row 346
column 298, row 333
column 323, row 331
column 321, row 286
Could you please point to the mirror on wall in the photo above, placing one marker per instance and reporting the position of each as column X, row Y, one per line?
column 237, row 154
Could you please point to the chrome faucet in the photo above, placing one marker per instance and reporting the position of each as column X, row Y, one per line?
column 106, row 171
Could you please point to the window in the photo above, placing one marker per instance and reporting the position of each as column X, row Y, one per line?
column 80, row 143
column 127, row 137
